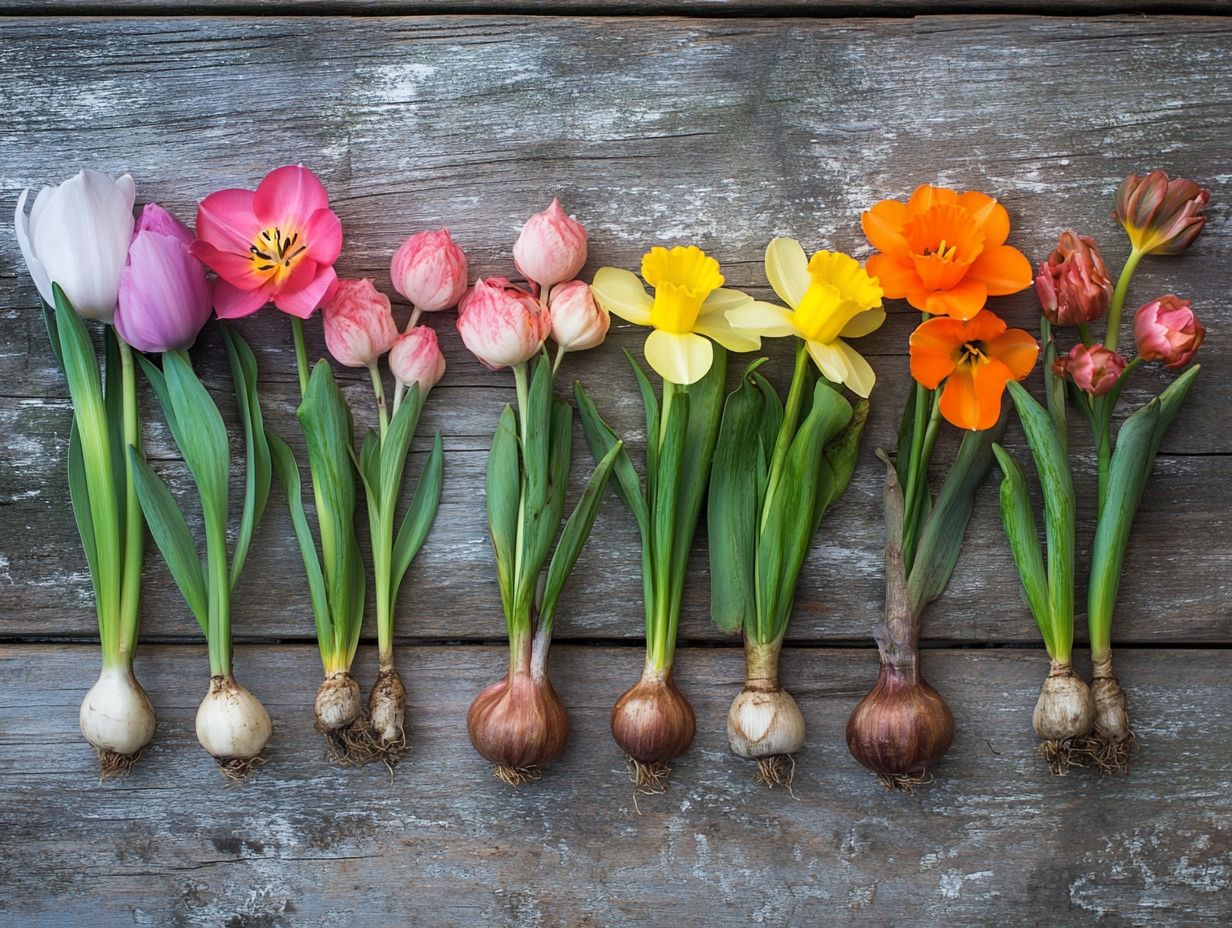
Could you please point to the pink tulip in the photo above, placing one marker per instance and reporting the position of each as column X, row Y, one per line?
column 550, row 248
column 416, row 358
column 1167, row 330
column 502, row 325
column 164, row 296
column 278, row 242
column 1094, row 369
column 359, row 325
column 578, row 323
column 1073, row 284
column 1161, row 216
column 429, row 269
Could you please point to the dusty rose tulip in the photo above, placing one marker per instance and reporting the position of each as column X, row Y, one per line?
column 1094, row 369
column 1161, row 216
column 500, row 324
column 1167, row 330
column 578, row 322
column 164, row 297
column 429, row 269
column 1073, row 285
column 416, row 358
column 359, row 324
column 551, row 247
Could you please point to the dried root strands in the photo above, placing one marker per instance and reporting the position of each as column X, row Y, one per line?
column 339, row 712
column 1112, row 740
column 1064, row 714
column 386, row 725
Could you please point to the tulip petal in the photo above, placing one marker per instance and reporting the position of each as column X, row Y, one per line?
column 680, row 357
column 1015, row 349
column 787, row 270
column 866, row 323
column 896, row 279
column 972, row 395
column 962, row 302
column 232, row 302
column 1003, row 270
column 324, row 236
column 288, row 196
column 303, row 301
column 622, row 294
column 238, row 270
column 766, row 319
column 830, row 359
column 860, row 375
column 226, row 220
column 883, row 227
column 989, row 215
column 933, row 347
column 37, row 272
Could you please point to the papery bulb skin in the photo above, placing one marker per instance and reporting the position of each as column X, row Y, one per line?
column 518, row 724
column 653, row 723
column 764, row 723
column 387, row 712
column 1112, row 738
column 233, row 726
column 337, row 704
column 1063, row 716
column 901, row 728
column 118, row 719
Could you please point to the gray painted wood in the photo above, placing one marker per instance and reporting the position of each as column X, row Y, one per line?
column 995, row 839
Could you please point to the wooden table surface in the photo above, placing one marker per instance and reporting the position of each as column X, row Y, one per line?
column 716, row 129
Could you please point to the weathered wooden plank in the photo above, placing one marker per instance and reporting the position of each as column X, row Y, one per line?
column 995, row 840
column 652, row 130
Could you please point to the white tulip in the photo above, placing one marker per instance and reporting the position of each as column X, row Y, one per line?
column 77, row 235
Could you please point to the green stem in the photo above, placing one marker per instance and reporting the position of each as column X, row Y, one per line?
column 134, row 524
column 1084, row 332
column 520, row 619
column 787, row 431
column 917, row 475
column 301, row 353
column 661, row 646
column 219, row 624
column 1118, row 299
column 378, row 388
column 560, row 356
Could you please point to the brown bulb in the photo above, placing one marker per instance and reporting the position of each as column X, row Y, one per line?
column 652, row 721
column 901, row 728
column 518, row 723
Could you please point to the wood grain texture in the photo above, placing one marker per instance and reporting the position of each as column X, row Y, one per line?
column 724, row 133
column 994, row 840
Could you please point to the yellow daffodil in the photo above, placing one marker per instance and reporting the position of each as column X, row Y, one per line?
column 831, row 298
column 690, row 306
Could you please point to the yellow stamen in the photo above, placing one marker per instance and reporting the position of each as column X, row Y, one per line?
column 682, row 279
column 972, row 353
column 275, row 252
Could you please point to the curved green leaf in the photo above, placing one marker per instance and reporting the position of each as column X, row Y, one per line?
column 420, row 515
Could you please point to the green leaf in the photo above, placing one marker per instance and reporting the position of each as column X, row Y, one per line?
column 283, row 460
column 204, row 445
column 79, row 494
column 843, row 454
column 650, row 405
column 420, row 514
column 906, row 432
column 172, row 536
column 543, row 521
column 665, row 508
column 53, row 332
column 573, row 537
column 159, row 384
column 736, row 480
column 1023, row 536
column 257, row 464
column 368, row 464
column 113, row 400
column 601, row 439
column 1137, row 443
column 503, row 490
column 942, row 535
column 396, row 446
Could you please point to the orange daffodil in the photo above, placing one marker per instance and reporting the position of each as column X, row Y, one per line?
column 944, row 252
column 831, row 298
column 690, row 305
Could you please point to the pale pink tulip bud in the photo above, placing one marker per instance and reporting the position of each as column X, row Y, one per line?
column 1094, row 369
column 1073, row 285
column 1161, row 216
column 416, row 358
column 578, row 322
column 502, row 325
column 551, row 247
column 1167, row 330
column 429, row 269
column 359, row 324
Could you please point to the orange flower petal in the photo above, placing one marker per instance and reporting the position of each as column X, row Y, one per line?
column 972, row 395
column 1003, row 270
column 962, row 302
column 983, row 327
column 989, row 215
column 933, row 346
column 883, row 227
column 896, row 279
column 1015, row 349
column 927, row 196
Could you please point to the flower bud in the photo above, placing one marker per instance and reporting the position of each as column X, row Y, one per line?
column 1167, row 330
column 550, row 248
column 1073, row 285
column 429, row 269
column 578, row 323
column 1094, row 369
column 416, row 358
column 500, row 324
column 1161, row 216
column 163, row 297
column 359, row 324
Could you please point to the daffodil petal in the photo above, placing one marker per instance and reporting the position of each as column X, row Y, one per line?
column 766, row 319
column 681, row 357
column 830, row 359
column 866, row 323
column 712, row 320
column 620, row 292
column 860, row 375
column 787, row 270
